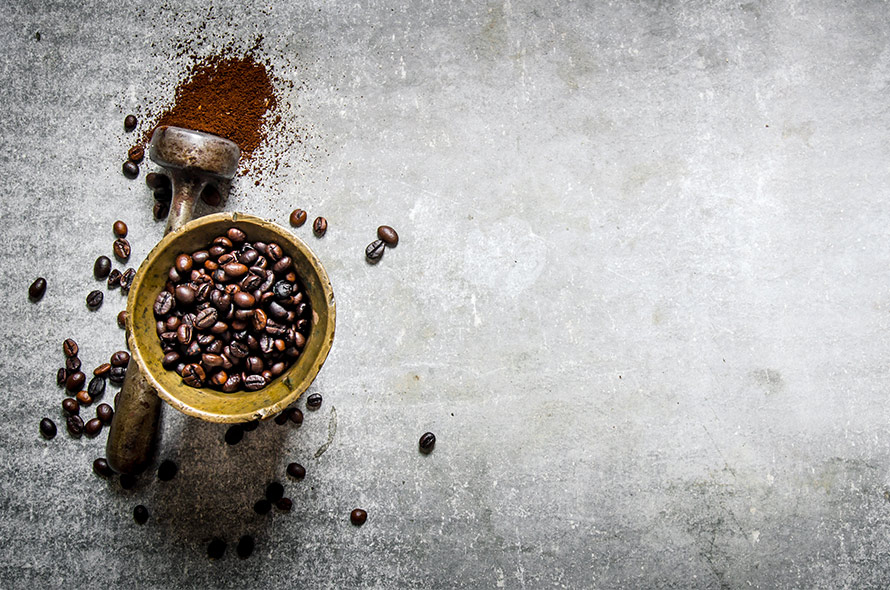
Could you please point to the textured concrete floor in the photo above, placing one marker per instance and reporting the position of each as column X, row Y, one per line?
column 641, row 296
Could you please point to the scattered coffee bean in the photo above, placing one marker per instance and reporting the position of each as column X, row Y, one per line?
column 96, row 388
column 245, row 547
column 130, row 169
column 250, row 426
column 136, row 153
column 121, row 248
column 119, row 228
column 285, row 504
column 61, row 376
column 234, row 434
column 75, row 381
column 167, row 470
column 117, row 374
column 374, row 251
column 156, row 181
column 74, row 425
column 102, row 370
column 101, row 468
column 94, row 299
column 281, row 418
column 295, row 415
column 69, row 347
column 130, row 122
column 161, row 209
column 120, row 358
column 102, row 267
column 127, row 481
column 83, row 398
column 72, row 364
column 427, row 442
column 216, row 548
column 70, row 407
column 297, row 217
column 320, row 226
column 47, row 428
column 388, row 235
column 313, row 402
column 296, row 471
column 274, row 491
column 211, row 196
column 122, row 319
column 140, row 514
column 262, row 506
column 104, row 413
column 114, row 279
column 37, row 289
column 92, row 427
column 127, row 279
column 358, row 517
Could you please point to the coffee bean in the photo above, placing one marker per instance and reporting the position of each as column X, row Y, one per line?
column 262, row 506
column 92, row 427
column 156, row 181
column 114, row 279
column 130, row 122
column 281, row 418
column 102, row 370
column 75, row 381
column 120, row 359
column 297, row 217
column 211, row 196
column 61, row 376
column 236, row 235
column 388, row 235
column 119, row 228
column 70, row 407
column 193, row 375
column 250, row 426
column 358, row 517
column 206, row 318
column 274, row 491
column 216, row 548
column 427, row 443
column 83, row 398
column 245, row 547
column 185, row 294
column 295, row 415
column 127, row 279
column 244, row 300
column 96, row 389
column 254, row 382
column 47, row 428
column 140, row 514
column 283, row 290
column 117, row 374
column 167, row 470
column 313, row 402
column 164, row 303
column 122, row 319
column 374, row 251
column 104, row 413
column 296, row 471
column 102, row 267
column 74, row 425
column 130, row 169
column 127, row 481
column 102, row 468
column 320, row 226
column 94, row 299
column 161, row 209
column 37, row 289
column 170, row 360
column 72, row 364
column 136, row 153
column 121, row 248
column 69, row 347
column 234, row 434
column 285, row 504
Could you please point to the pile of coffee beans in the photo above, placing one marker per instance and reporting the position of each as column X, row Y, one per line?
column 386, row 237
column 232, row 316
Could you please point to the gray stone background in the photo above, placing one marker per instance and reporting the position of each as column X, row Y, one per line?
column 641, row 295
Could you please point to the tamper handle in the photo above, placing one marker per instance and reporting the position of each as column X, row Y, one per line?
column 132, row 433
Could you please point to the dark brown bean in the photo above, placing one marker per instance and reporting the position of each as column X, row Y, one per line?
column 313, row 402
column 297, row 217
column 284, row 504
column 61, row 376
column 114, row 279
column 105, row 413
column 427, row 443
column 37, row 289
column 75, row 381
column 161, row 208
column 74, row 424
column 48, row 428
column 72, row 364
column 183, row 263
column 283, row 265
column 130, row 122
column 156, row 181
column 70, row 348
column 117, row 374
column 102, row 468
column 102, row 370
column 235, row 235
column 167, row 470
column 254, row 382
column 96, row 388
column 245, row 547
column 92, row 427
column 296, row 471
column 119, row 228
column 234, row 434
column 193, row 375
column 170, row 360
column 120, row 358
column 358, row 517
column 185, row 294
column 83, row 398
column 216, row 549
column 164, row 303
column 243, row 299
column 235, row 270
column 95, row 299
column 388, row 235
column 70, row 406
column 140, row 514
column 121, row 248
column 130, row 169
column 102, row 267
column 122, row 319
column 320, row 226
column 374, row 251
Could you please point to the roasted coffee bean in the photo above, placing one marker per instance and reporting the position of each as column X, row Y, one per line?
column 164, row 303
column 84, row 398
column 259, row 320
column 136, row 153
column 120, row 358
column 130, row 169
column 283, row 265
column 374, row 251
column 130, row 122
column 206, row 318
column 297, row 217
column 212, row 361
column 232, row 383
column 117, row 374
column 296, row 471
column 37, row 289
column 262, row 506
column 121, row 248
column 244, row 300
column 219, row 328
column 295, row 415
column 114, row 279
column 102, row 468
column 245, row 547
column 274, row 491
column 235, row 235
column 427, row 442
column 167, row 470
column 69, row 347
column 184, row 334
column 119, row 228
column 248, row 255
column 254, row 382
column 216, row 548
column 358, row 517
column 234, row 434
column 218, row 379
column 235, row 270
column 250, row 426
column 161, row 208
column 127, row 481
column 200, row 257
column 156, row 181
column 72, row 364
column 74, row 425
column 47, row 428
column 193, row 375
column 183, row 263
column 104, row 413
column 254, row 364
column 70, row 406
column 102, row 370
column 274, row 252
column 102, row 267
column 281, row 418
column 61, row 376
column 122, row 319
column 313, row 402
column 320, row 226
column 96, row 388
column 284, row 504
column 170, row 360
column 75, row 381
column 388, row 235
column 211, row 196
column 94, row 299
column 140, row 514
column 127, row 279
column 185, row 294
column 92, row 427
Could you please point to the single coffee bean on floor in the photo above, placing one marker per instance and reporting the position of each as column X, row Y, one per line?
column 320, row 226
column 295, row 415
column 102, row 267
column 313, row 402
column 74, row 425
column 75, row 381
column 37, row 289
column 427, row 442
column 388, row 235
column 297, row 217
column 130, row 169
column 245, row 546
column 161, row 208
column 167, row 470
column 102, row 468
column 122, row 319
column 92, row 427
column 47, row 428
column 296, row 471
column 262, row 506
column 83, row 398
column 127, row 279
column 96, row 388
column 104, row 413
column 374, row 251
column 114, row 279
column 117, row 374
column 358, row 517
column 130, row 122
column 136, row 153
column 156, row 181
column 274, row 491
column 119, row 228
column 121, row 248
column 70, row 407
column 216, row 548
column 250, row 426
column 69, row 347
column 94, row 299
column 61, row 376
column 120, row 358
column 281, row 418
column 285, row 504
column 102, row 370
column 234, row 434
column 72, row 364
column 140, row 514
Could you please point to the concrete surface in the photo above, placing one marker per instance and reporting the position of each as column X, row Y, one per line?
column 641, row 296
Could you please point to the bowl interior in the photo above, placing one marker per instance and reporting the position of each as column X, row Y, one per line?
column 207, row 403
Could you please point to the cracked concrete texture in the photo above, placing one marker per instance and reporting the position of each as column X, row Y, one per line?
column 639, row 296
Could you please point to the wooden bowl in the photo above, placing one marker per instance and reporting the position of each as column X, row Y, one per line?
column 206, row 403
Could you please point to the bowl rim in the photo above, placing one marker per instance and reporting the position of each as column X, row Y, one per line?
column 326, row 333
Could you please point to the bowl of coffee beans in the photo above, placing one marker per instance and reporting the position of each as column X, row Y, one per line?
column 230, row 318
